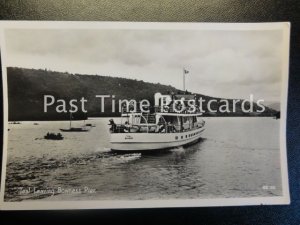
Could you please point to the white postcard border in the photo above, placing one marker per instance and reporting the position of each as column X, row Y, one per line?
column 105, row 204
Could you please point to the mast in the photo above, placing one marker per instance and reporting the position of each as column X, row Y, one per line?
column 70, row 120
column 183, row 77
column 184, row 72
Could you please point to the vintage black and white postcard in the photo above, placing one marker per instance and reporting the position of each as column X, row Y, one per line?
column 139, row 115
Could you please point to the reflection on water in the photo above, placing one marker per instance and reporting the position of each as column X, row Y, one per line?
column 235, row 158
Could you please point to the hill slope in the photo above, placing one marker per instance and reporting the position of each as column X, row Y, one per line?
column 27, row 87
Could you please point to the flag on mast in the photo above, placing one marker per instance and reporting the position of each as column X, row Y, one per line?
column 184, row 73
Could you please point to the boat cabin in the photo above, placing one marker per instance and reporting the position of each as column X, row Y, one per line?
column 156, row 123
column 164, row 119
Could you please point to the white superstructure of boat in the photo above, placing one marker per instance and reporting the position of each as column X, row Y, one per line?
column 162, row 129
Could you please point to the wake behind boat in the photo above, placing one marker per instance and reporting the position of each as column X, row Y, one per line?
column 162, row 129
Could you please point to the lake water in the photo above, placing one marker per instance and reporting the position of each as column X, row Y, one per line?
column 237, row 157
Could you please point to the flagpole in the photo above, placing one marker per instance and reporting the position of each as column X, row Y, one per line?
column 184, row 72
column 183, row 75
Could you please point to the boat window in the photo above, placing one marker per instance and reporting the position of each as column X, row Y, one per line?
column 171, row 119
column 136, row 119
column 143, row 120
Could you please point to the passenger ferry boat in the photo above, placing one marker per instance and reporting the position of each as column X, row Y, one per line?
column 162, row 129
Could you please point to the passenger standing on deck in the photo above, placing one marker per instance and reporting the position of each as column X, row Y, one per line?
column 113, row 125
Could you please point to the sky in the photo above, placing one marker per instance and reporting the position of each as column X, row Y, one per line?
column 229, row 64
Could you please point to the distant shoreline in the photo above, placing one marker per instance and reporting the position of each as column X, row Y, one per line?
column 91, row 118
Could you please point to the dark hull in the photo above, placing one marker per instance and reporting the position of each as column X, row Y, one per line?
column 74, row 130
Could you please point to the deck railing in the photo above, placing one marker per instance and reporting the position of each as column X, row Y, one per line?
column 158, row 109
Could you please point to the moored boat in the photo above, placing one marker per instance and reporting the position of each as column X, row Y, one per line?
column 75, row 129
column 53, row 136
